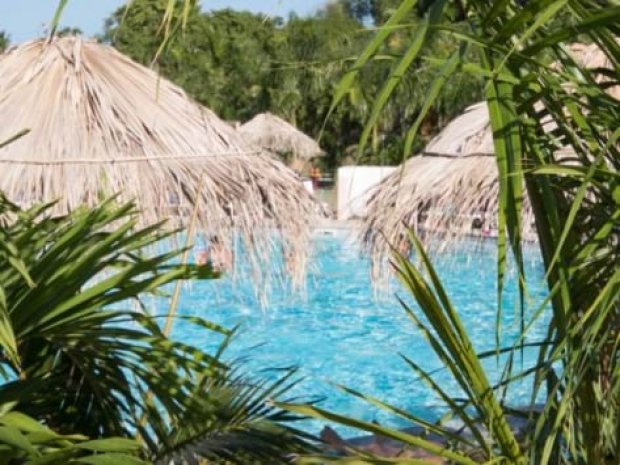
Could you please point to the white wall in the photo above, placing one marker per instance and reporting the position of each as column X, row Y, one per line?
column 308, row 185
column 354, row 186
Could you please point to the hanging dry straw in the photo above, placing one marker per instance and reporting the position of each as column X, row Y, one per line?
column 452, row 187
column 102, row 124
column 450, row 190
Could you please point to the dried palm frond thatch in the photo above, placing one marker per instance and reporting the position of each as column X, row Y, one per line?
column 101, row 124
column 467, row 134
column 450, row 189
column 593, row 58
column 272, row 133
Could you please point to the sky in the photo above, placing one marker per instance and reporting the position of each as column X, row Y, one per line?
column 28, row 19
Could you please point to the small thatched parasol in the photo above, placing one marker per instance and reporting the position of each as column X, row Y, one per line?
column 451, row 188
column 102, row 124
column 467, row 134
column 272, row 133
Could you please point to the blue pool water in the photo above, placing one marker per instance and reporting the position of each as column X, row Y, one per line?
column 341, row 332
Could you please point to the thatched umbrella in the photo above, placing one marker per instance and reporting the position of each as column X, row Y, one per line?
column 272, row 133
column 102, row 124
column 592, row 57
column 451, row 188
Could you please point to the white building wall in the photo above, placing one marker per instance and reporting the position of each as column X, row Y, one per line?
column 308, row 185
column 354, row 186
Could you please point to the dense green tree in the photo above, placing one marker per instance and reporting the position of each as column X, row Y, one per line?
column 319, row 50
column 69, row 31
column 4, row 41
column 219, row 58
column 240, row 64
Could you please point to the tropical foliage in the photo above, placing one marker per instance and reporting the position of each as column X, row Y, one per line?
column 4, row 41
column 240, row 64
column 555, row 126
column 25, row 440
column 81, row 352
column 556, row 133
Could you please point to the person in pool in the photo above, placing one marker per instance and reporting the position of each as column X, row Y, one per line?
column 403, row 245
column 201, row 256
column 216, row 255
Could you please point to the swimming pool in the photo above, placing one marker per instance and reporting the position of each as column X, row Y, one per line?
column 340, row 332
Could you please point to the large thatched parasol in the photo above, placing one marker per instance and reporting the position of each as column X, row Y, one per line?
column 102, row 124
column 450, row 188
column 272, row 133
column 453, row 186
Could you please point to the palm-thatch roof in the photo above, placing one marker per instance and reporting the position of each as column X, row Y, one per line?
column 272, row 133
column 102, row 124
column 450, row 188
column 592, row 57
column 467, row 134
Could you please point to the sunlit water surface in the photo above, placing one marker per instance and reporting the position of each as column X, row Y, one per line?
column 340, row 332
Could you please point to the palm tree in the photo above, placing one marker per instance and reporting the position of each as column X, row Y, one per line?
column 542, row 100
column 25, row 440
column 82, row 353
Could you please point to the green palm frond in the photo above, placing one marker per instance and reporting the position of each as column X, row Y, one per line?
column 81, row 352
column 555, row 130
column 24, row 440
column 70, row 319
